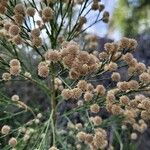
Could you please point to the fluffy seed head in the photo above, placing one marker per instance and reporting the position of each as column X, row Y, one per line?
column 100, row 90
column 30, row 11
column 19, row 9
column 2, row 9
column 133, row 85
column 115, row 76
column 14, row 30
column 88, row 96
column 124, row 43
column 128, row 57
column 123, row 86
column 35, row 32
column 101, row 7
column 133, row 136
column 13, row 142
column 47, row 12
column 5, row 129
column 145, row 77
column 124, row 100
column 15, row 70
column 53, row 148
column 15, row 98
column 116, row 110
column 17, row 40
column 52, row 55
column 103, row 55
column 112, row 66
column 81, row 136
column 43, row 71
column 140, row 67
column 76, row 93
column 66, row 94
column 7, row 26
column 73, row 74
column 94, row 108
column 82, row 84
column 14, row 62
column 110, row 97
column 95, row 6
column 96, row 120
column 19, row 18
column 27, row 75
column 37, row 42
column 133, row 44
column 105, row 18
column 6, row 76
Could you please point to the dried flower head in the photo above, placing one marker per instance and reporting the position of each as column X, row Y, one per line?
column 14, row 30
column 2, row 9
column 133, row 85
column 30, row 11
column 124, row 100
column 19, row 18
column 105, row 16
column 19, row 9
column 27, row 75
column 47, row 13
column 15, row 70
column 14, row 62
column 52, row 55
column 82, row 84
column 123, row 86
column 96, row 120
column 145, row 77
column 43, row 71
column 81, row 136
column 103, row 55
column 53, row 148
column 95, row 6
column 17, row 40
column 6, row 76
column 37, row 41
column 100, row 90
column 100, row 139
column 5, row 129
column 134, row 136
column 101, row 7
column 88, row 96
column 124, row 43
column 140, row 67
column 116, row 109
column 35, row 32
column 94, row 108
column 13, row 142
column 115, row 76
column 76, row 93
column 15, row 98
column 66, row 94
column 112, row 66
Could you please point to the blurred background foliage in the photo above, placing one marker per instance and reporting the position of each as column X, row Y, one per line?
column 131, row 17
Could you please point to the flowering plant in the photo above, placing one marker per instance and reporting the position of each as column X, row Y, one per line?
column 104, row 105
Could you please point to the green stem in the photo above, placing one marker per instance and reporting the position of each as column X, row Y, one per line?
column 53, row 103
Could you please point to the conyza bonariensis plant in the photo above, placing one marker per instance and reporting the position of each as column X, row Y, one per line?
column 94, row 100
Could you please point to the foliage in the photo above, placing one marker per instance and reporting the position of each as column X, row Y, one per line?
column 131, row 17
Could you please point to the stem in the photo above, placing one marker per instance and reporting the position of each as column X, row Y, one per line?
column 53, row 103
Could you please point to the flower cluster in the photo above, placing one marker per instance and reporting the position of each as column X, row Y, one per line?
column 80, row 63
column 96, row 141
